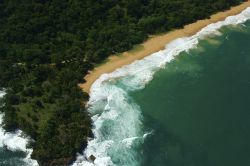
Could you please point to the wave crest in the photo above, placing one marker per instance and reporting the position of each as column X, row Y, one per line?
column 15, row 141
column 117, row 119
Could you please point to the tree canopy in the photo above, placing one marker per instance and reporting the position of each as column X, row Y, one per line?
column 47, row 46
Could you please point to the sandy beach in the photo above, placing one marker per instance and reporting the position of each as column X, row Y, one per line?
column 154, row 44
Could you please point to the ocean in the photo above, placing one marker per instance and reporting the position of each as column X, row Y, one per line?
column 187, row 105
column 13, row 146
column 198, row 107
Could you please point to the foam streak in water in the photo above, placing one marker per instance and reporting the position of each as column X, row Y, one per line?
column 117, row 119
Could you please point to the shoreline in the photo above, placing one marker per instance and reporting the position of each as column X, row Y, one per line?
column 155, row 44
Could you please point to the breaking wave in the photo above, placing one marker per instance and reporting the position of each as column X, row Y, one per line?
column 15, row 141
column 118, row 127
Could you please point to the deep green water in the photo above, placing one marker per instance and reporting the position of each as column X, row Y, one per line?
column 9, row 158
column 198, row 107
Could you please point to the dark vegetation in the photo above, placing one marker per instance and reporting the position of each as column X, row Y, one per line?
column 47, row 46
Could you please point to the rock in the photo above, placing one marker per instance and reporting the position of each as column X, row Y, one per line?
column 92, row 158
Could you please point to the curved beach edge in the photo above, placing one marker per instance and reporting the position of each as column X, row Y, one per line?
column 156, row 43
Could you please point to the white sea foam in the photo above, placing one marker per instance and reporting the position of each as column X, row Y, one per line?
column 117, row 119
column 15, row 141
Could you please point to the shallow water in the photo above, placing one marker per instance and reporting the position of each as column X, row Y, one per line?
column 10, row 158
column 199, row 105
column 13, row 150
column 190, row 110
column 179, row 106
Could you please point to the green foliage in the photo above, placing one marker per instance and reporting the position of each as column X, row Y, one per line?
column 46, row 48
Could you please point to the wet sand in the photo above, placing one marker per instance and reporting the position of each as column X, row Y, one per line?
column 154, row 44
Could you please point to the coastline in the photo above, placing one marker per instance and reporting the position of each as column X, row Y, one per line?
column 111, row 92
column 15, row 141
column 156, row 43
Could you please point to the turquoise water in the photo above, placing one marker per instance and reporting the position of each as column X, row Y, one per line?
column 187, row 105
column 198, row 107
column 192, row 111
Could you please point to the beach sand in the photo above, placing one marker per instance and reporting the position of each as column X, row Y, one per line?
column 154, row 44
